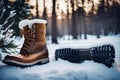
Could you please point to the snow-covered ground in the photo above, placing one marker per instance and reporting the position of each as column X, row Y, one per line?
column 64, row 70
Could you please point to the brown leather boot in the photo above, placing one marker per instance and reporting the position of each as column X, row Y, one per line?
column 34, row 50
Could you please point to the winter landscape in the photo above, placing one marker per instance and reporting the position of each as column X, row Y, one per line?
column 70, row 24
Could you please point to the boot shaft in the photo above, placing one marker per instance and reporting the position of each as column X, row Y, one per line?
column 39, row 36
column 39, row 33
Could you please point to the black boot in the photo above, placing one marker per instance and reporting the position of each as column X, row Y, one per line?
column 102, row 54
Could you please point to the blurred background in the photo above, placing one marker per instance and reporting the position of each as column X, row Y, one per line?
column 74, row 18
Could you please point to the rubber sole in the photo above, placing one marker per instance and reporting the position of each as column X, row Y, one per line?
column 102, row 54
column 25, row 65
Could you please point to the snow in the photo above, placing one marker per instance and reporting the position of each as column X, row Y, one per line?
column 25, row 22
column 64, row 70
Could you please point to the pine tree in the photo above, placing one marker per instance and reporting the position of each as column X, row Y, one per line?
column 22, row 9
column 6, row 33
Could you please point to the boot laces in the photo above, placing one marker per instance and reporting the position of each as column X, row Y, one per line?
column 29, row 40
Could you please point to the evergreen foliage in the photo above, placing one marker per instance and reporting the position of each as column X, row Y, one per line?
column 7, row 44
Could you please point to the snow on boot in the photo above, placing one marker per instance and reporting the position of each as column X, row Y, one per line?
column 102, row 54
column 34, row 50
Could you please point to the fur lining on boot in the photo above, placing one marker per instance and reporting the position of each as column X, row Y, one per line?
column 25, row 22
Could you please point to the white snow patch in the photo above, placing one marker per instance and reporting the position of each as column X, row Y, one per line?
column 60, row 70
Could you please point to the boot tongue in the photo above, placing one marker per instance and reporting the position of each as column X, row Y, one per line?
column 25, row 28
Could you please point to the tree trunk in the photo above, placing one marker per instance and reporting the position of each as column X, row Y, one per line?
column 74, row 27
column 44, row 12
column 54, row 26
column 37, row 11
column 85, row 25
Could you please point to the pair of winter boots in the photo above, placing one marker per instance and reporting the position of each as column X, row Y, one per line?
column 34, row 50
